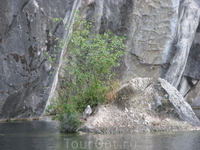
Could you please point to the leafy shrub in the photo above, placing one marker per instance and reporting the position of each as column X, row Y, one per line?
column 91, row 56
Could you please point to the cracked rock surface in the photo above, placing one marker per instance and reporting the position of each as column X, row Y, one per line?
column 162, row 38
column 26, row 77
column 162, row 41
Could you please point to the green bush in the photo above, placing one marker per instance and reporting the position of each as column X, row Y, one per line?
column 91, row 56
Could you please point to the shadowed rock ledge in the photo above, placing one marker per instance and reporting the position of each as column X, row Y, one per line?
column 143, row 104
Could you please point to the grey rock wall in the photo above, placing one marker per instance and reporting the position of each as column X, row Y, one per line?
column 159, row 34
column 26, row 76
column 162, row 38
column 189, row 13
column 150, row 27
column 192, row 70
column 162, row 41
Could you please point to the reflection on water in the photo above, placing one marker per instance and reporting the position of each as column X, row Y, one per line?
column 44, row 135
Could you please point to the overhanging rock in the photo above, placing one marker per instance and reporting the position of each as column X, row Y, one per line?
column 182, row 108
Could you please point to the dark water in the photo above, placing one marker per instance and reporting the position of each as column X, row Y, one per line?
column 45, row 135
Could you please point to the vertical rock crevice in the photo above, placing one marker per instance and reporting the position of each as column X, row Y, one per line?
column 187, row 25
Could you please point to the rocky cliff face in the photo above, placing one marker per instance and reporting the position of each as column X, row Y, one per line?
column 162, row 38
column 26, row 77
column 162, row 41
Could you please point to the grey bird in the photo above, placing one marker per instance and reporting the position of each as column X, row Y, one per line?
column 87, row 112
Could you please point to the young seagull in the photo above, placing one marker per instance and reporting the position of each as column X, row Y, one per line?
column 87, row 112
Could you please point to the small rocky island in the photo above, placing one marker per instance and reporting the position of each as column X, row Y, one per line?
column 143, row 104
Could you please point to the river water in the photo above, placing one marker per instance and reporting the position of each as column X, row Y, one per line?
column 45, row 135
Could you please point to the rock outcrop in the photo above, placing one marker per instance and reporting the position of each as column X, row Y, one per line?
column 26, row 77
column 162, row 37
column 143, row 104
column 182, row 108
column 162, row 41
column 186, row 28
